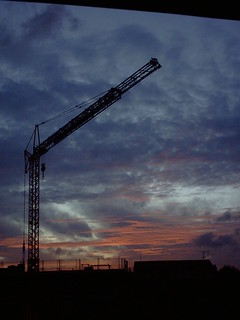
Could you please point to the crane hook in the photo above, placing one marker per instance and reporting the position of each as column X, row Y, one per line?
column 43, row 168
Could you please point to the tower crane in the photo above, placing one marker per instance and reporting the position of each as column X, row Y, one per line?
column 32, row 159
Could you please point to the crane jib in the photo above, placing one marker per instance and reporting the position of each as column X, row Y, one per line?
column 89, row 113
column 97, row 107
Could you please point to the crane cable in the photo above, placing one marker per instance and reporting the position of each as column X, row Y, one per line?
column 24, row 223
column 78, row 106
column 63, row 113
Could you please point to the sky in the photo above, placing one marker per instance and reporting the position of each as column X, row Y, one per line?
column 153, row 177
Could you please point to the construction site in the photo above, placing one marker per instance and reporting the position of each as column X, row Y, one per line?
column 35, row 288
column 166, row 289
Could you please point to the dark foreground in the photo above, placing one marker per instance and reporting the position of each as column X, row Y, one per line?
column 116, row 294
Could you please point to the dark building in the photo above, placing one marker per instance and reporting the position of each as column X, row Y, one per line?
column 176, row 269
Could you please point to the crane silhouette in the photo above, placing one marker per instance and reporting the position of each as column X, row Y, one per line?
column 32, row 159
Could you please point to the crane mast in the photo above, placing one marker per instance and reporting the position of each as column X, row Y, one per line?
column 32, row 160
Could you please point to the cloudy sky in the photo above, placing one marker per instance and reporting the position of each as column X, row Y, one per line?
column 156, row 175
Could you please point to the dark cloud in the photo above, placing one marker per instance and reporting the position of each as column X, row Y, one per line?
column 10, row 226
column 49, row 22
column 73, row 228
column 212, row 241
column 49, row 255
column 46, row 23
column 229, row 216
column 225, row 217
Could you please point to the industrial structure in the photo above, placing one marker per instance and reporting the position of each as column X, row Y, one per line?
column 32, row 159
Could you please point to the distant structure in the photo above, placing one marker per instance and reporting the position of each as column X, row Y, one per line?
column 19, row 268
column 176, row 269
